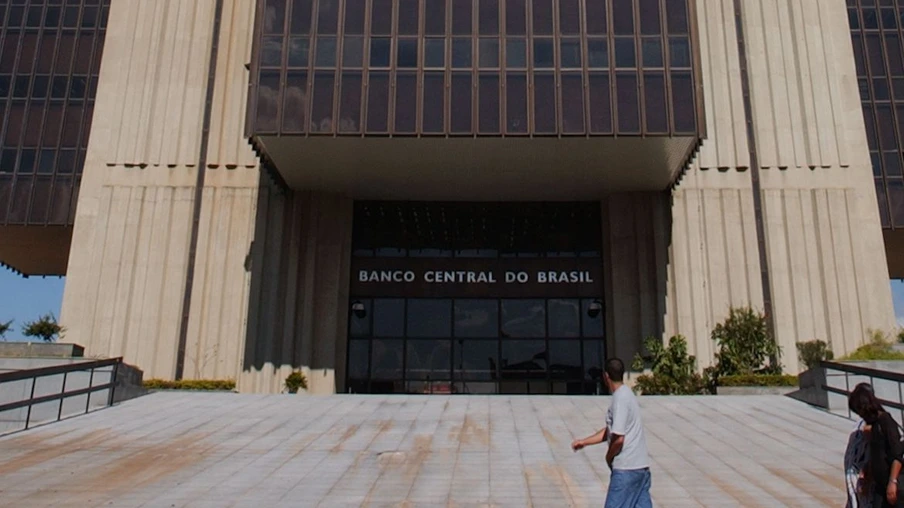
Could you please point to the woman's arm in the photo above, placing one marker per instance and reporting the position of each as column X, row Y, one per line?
column 893, row 443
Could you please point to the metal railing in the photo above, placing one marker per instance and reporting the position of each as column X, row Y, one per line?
column 13, row 381
column 869, row 373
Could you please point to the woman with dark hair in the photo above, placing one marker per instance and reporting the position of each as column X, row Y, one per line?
column 885, row 449
column 856, row 466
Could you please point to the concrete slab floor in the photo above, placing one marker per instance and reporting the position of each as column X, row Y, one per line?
column 202, row 449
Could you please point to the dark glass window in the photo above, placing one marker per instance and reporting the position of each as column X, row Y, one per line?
column 461, row 102
column 544, row 103
column 544, row 53
column 299, row 51
column 327, row 17
column 676, row 16
column 267, row 101
column 358, row 359
column 570, row 56
column 572, row 103
column 516, row 17
column 679, row 52
column 429, row 360
column 489, row 53
column 274, row 16
column 387, row 359
column 434, row 52
column 434, row 99
column 461, row 53
column 295, row 102
column 489, row 103
column 542, row 17
column 406, row 53
column 380, row 52
column 649, row 17
column 353, row 52
column 564, row 318
column 598, row 53
column 322, row 102
column 652, row 53
column 516, row 103
column 488, row 17
column 326, row 52
column 389, row 317
column 301, row 17
column 435, row 17
column 600, row 107
column 350, row 103
column 655, row 106
column 624, row 53
column 406, row 103
column 355, row 11
column 569, row 17
column 596, row 16
column 628, row 106
column 381, row 17
column 271, row 51
column 683, row 102
column 516, row 53
column 408, row 17
column 461, row 17
column 429, row 318
column 623, row 17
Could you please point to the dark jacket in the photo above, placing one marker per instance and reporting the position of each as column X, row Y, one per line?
column 885, row 447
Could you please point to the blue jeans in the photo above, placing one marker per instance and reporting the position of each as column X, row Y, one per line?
column 629, row 488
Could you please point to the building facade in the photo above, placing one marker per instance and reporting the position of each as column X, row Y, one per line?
column 469, row 196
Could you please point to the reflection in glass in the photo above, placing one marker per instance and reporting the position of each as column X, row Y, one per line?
column 598, row 53
column 406, row 102
column 434, row 52
column 679, row 52
column 328, row 16
column 434, row 94
column 476, row 318
column 326, row 52
column 353, row 52
column 543, row 53
column 267, row 100
column 406, row 53
column 570, row 53
column 358, row 359
column 301, row 17
column 350, row 103
column 389, row 317
column 322, row 103
column 523, row 318
column 379, row 52
column 299, row 48
column 476, row 359
column 387, row 359
column 461, row 53
column 489, row 53
column 516, row 53
column 652, row 53
column 524, row 359
column 565, row 359
column 428, row 359
column 564, row 318
column 429, row 318
column 271, row 51
column 516, row 103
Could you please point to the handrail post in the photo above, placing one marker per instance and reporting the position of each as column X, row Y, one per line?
column 90, row 385
column 113, row 383
column 34, row 381
column 847, row 389
column 62, row 397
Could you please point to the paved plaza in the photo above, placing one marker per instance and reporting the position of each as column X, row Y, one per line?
column 216, row 450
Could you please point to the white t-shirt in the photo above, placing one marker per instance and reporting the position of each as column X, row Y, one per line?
column 623, row 419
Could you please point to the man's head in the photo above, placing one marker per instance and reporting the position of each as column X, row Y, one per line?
column 615, row 373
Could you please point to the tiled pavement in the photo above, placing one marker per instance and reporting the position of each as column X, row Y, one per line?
column 190, row 449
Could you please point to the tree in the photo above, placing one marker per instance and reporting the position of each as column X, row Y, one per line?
column 5, row 327
column 674, row 371
column 45, row 327
column 746, row 345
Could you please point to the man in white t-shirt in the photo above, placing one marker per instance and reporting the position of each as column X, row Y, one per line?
column 629, row 485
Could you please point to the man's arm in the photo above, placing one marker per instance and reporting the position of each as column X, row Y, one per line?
column 595, row 439
column 618, row 442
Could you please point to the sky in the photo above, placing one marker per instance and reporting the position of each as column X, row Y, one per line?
column 24, row 299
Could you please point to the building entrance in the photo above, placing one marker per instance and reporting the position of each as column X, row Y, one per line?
column 476, row 298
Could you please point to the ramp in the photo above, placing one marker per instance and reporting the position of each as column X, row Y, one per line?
column 197, row 449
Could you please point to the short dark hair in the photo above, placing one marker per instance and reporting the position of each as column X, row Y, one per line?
column 615, row 369
column 863, row 401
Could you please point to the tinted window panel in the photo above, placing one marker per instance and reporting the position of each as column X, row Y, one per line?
column 434, row 95
column 544, row 103
column 350, row 103
column 516, row 103
column 489, row 103
column 406, row 104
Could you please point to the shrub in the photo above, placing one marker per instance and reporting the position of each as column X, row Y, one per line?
column 900, row 336
column 674, row 372
column 5, row 328
column 758, row 380
column 879, row 347
column 746, row 345
column 813, row 352
column 296, row 381
column 191, row 384
column 45, row 327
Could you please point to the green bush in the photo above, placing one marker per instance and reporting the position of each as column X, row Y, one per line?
column 746, row 345
column 296, row 381
column 674, row 372
column 813, row 352
column 758, row 380
column 879, row 347
column 901, row 336
column 45, row 327
column 191, row 384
